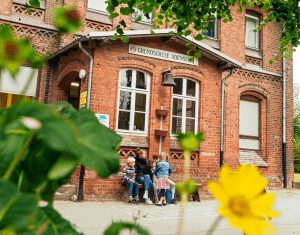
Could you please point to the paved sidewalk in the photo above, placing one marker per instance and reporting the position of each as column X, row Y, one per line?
column 93, row 217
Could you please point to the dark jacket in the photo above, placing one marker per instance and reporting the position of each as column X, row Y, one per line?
column 141, row 167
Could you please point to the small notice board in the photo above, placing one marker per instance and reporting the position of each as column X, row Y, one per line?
column 103, row 119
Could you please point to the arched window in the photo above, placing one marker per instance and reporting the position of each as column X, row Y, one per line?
column 249, row 128
column 133, row 101
column 184, row 106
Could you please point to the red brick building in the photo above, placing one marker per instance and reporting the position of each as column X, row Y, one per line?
column 126, row 89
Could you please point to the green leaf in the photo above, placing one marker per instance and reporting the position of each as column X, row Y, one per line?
column 120, row 31
column 57, row 134
column 34, row 3
column 188, row 187
column 114, row 3
column 115, row 37
column 16, row 208
column 118, row 227
column 13, row 51
column 126, row 10
column 125, row 39
column 67, row 19
column 122, row 22
column 62, row 167
column 138, row 18
column 198, row 37
column 97, row 144
column 189, row 142
column 50, row 222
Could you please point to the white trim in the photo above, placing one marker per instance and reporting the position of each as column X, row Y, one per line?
column 133, row 90
column 184, row 97
column 255, row 68
column 252, row 16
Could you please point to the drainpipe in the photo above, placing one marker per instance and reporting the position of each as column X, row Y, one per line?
column 160, row 137
column 82, row 168
column 284, row 122
column 222, row 117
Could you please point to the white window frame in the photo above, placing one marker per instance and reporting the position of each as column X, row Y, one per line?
column 185, row 97
column 103, row 11
column 144, row 19
column 250, row 137
column 132, row 111
column 257, row 35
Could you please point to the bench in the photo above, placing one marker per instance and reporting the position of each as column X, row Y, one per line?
column 125, row 197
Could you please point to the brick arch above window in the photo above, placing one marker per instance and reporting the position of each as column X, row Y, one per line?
column 254, row 10
column 254, row 90
column 187, row 72
column 137, row 63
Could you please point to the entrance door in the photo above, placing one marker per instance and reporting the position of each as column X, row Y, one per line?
column 74, row 93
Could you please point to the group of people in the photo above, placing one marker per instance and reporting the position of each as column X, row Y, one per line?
column 154, row 175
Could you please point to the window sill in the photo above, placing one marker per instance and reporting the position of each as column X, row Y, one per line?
column 253, row 53
column 131, row 133
column 140, row 25
column 134, row 140
column 212, row 42
column 98, row 16
column 251, row 157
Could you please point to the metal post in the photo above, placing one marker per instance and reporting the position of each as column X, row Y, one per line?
column 222, row 117
column 82, row 168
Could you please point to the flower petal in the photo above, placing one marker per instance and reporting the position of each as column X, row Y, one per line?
column 262, row 206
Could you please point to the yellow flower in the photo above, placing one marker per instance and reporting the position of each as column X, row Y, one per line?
column 243, row 201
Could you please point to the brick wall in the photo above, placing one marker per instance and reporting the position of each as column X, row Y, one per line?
column 110, row 58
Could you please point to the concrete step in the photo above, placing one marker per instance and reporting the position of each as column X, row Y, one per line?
column 65, row 192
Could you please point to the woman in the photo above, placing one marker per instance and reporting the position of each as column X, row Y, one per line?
column 143, row 172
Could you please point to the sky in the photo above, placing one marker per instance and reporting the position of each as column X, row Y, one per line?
column 296, row 67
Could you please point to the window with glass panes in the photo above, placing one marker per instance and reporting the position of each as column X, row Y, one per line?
column 211, row 30
column 252, row 37
column 133, row 101
column 97, row 5
column 184, row 106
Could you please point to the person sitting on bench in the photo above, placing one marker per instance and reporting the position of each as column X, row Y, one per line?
column 129, row 178
column 143, row 172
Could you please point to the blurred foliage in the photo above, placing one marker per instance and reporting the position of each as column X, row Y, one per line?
column 40, row 147
column 15, row 52
column 296, row 121
column 198, row 15
column 67, row 19
column 117, row 228
column 188, row 187
column 190, row 142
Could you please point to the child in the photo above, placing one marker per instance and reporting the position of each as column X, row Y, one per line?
column 130, row 179
column 152, row 164
column 162, row 172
